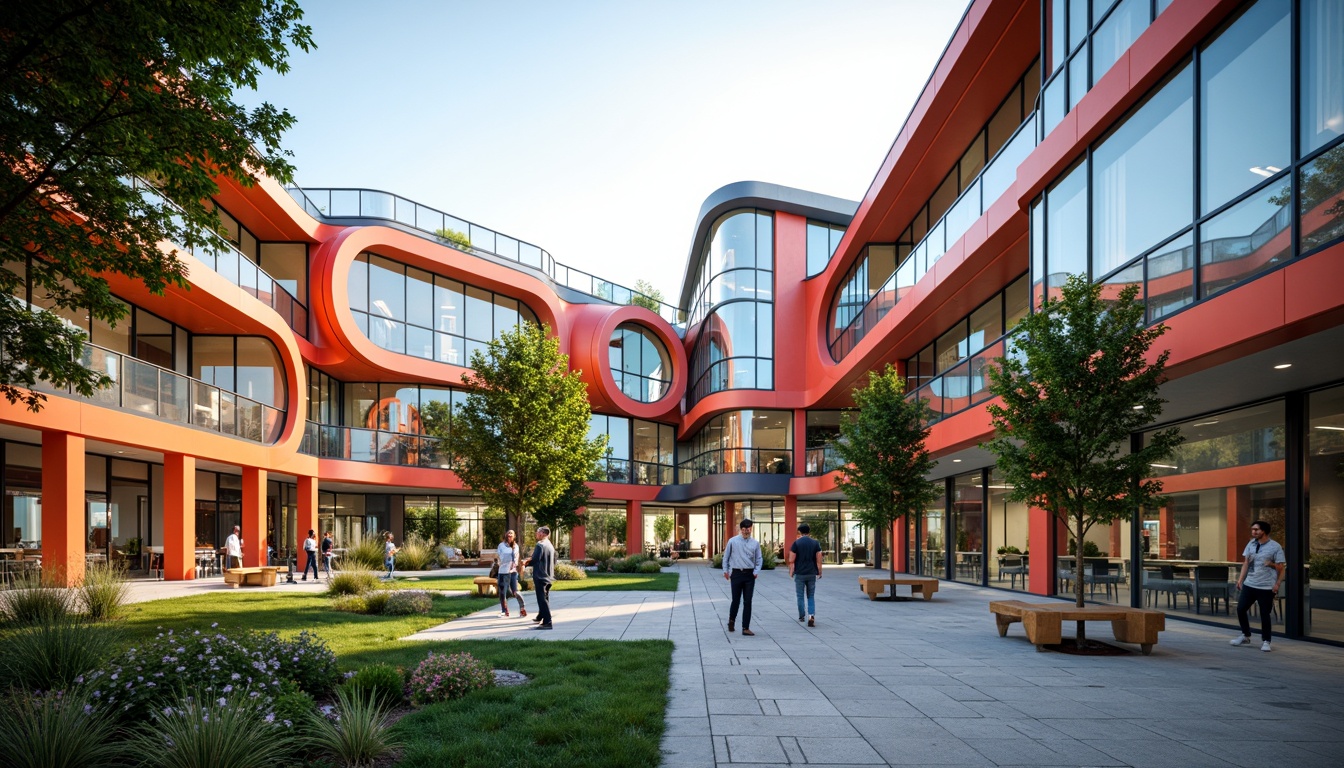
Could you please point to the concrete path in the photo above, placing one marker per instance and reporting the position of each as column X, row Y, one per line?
column 916, row 683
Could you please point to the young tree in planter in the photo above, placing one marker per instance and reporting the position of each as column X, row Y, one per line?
column 97, row 94
column 521, row 438
column 884, row 454
column 1076, row 385
column 563, row 513
column 663, row 528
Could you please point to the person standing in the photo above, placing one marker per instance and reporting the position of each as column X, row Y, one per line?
column 233, row 548
column 328, row 544
column 1261, row 575
column 543, row 574
column 310, row 552
column 805, row 568
column 507, row 576
column 389, row 557
column 742, row 563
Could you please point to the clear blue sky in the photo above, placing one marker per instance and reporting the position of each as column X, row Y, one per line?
column 596, row 129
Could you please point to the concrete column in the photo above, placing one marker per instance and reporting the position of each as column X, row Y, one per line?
column 634, row 527
column 179, row 517
column 578, row 540
column 306, row 514
column 1041, row 527
column 1238, row 520
column 254, row 517
column 900, row 545
column 63, row 505
column 729, row 523
column 790, row 522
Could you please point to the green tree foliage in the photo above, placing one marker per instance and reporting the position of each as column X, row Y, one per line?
column 1076, row 384
column 521, row 438
column 431, row 524
column 663, row 528
column 882, row 446
column 563, row 513
column 647, row 296
column 455, row 238
column 98, row 94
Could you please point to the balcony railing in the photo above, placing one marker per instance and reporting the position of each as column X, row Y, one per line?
column 337, row 203
column 823, row 460
column 148, row 389
column 773, row 461
column 633, row 472
column 223, row 257
column 992, row 182
column 375, row 446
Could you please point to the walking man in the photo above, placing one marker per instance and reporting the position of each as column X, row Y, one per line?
column 543, row 573
column 233, row 548
column 805, row 568
column 741, row 565
column 1261, row 574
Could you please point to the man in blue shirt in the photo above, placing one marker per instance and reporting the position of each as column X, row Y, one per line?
column 1261, row 574
column 805, row 568
column 741, row 565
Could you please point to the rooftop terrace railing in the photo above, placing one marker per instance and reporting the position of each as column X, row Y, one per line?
column 337, row 203
column 992, row 182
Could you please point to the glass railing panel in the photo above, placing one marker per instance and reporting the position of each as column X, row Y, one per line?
column 379, row 204
column 1002, row 170
column 204, row 405
column 391, row 448
column 174, row 397
column 140, row 387
column 980, row 364
column 345, row 202
column 362, row 445
column 405, row 211
column 251, row 419
column 963, row 214
column 529, row 255
column 428, row 219
column 228, row 413
column 482, row 239
column 108, row 363
column 275, row 424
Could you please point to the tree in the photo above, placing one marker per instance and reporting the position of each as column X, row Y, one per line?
column 563, row 513
column 647, row 296
column 663, row 528
column 100, row 97
column 521, row 438
column 1076, row 384
column 882, row 446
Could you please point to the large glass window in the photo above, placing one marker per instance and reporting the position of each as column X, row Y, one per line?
column 742, row 441
column 413, row 312
column 1008, row 529
column 822, row 240
column 247, row 365
column 638, row 451
column 639, row 363
column 1321, row 206
column 968, row 518
column 1245, row 103
column 1066, row 228
column 1325, row 514
column 1322, row 75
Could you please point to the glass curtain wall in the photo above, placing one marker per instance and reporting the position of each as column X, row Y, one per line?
column 967, row 525
column 1325, row 514
column 841, row 537
column 733, row 303
column 822, row 240
column 1008, row 529
column 741, row 441
column 638, row 451
column 767, row 519
column 639, row 363
column 604, row 530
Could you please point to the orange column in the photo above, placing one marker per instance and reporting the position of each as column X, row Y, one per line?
column 729, row 523
column 900, row 546
column 179, row 517
column 578, row 540
column 1238, row 519
column 307, row 512
column 790, row 522
column 634, row 527
column 254, row 517
column 1166, row 531
column 63, row 524
column 1041, row 527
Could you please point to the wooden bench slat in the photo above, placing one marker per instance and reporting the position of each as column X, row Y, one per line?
column 1042, row 621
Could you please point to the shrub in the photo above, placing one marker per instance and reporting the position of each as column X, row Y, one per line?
column 441, row 677
column 305, row 659
column 292, row 705
column 38, row 731
column 350, row 603
column 29, row 601
column 717, row 560
column 666, row 562
column 567, row 572
column 352, row 583
column 406, row 602
column 414, row 554
column 54, row 655
column 382, row 684
column 457, row 239
column 104, row 591
column 1327, row 567
column 364, row 554
column 376, row 601
column 649, row 566
column 205, row 729
column 600, row 553
column 354, row 733
column 769, row 560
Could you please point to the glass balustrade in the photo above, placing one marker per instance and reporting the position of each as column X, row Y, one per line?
column 822, row 460
column 992, row 182
column 773, row 461
column 334, row 203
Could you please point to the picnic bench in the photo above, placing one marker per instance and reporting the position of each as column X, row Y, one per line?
column 485, row 586
column 263, row 576
column 1042, row 621
column 874, row 586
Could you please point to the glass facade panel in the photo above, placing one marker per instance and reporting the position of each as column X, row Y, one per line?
column 968, row 518
column 1245, row 103
column 1171, row 277
column 1116, row 34
column 1250, row 237
column 1007, row 529
column 1066, row 228
column 1321, row 46
column 1321, row 202
column 1325, row 515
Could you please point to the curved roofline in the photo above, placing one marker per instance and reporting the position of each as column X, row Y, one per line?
column 760, row 194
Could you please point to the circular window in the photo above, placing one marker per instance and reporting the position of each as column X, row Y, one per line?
column 639, row 363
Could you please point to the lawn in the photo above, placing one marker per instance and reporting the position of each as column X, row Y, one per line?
column 607, row 582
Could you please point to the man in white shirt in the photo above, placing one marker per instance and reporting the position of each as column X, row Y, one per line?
column 1261, row 574
column 741, row 565
column 233, row 548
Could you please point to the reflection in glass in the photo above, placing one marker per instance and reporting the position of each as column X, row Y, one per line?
column 1325, row 515
column 1171, row 277
column 1321, row 205
column 1116, row 34
column 1322, row 80
column 1066, row 235
column 1246, row 239
column 639, row 363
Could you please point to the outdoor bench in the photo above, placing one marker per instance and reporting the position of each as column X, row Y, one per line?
column 485, row 585
column 873, row 586
column 1042, row 621
column 263, row 576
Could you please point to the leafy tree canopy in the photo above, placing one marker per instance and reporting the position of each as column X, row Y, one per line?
column 521, row 438
column 647, row 296
column 563, row 513
column 1076, row 384
column 882, row 446
column 97, row 94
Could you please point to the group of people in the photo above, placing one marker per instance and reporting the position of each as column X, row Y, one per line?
column 742, row 561
column 509, row 567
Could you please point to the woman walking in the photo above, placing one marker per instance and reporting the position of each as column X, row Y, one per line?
column 507, row 577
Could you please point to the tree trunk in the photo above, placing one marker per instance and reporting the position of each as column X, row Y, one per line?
column 1078, row 577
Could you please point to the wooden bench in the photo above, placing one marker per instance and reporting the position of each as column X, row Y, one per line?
column 873, row 586
column 485, row 586
column 250, row 577
column 1042, row 621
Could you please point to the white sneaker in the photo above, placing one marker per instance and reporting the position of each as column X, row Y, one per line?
column 1241, row 640
column 1265, row 647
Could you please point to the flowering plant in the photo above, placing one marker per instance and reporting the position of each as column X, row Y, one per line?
column 441, row 677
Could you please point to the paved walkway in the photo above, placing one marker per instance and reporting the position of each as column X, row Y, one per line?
column 918, row 683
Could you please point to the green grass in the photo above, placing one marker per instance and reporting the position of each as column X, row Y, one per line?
column 607, row 582
column 591, row 703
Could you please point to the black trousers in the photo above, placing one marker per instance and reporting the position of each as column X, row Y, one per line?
column 1264, row 600
column 743, row 583
column 543, row 589
column 310, row 563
